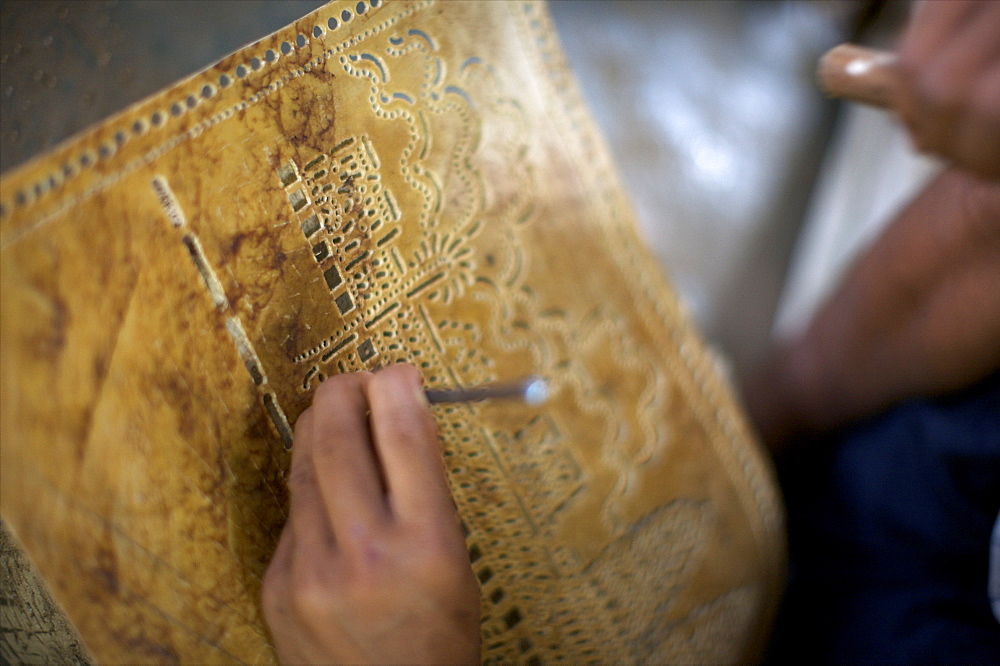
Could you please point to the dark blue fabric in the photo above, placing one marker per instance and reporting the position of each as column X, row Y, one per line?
column 889, row 529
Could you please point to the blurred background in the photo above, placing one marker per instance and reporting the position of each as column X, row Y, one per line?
column 753, row 191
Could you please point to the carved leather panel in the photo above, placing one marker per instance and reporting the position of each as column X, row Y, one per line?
column 378, row 182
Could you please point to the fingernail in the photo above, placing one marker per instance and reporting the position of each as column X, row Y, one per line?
column 416, row 380
column 418, row 383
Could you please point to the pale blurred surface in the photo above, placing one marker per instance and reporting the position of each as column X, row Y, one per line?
column 717, row 128
column 868, row 176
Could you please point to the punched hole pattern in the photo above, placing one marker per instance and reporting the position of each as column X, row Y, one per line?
column 159, row 119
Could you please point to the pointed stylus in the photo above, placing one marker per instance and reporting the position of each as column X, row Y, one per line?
column 532, row 390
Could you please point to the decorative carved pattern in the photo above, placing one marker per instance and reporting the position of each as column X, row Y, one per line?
column 378, row 182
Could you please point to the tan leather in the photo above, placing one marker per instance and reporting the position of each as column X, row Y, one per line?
column 418, row 181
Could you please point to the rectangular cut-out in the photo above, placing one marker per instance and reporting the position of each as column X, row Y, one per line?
column 366, row 351
column 321, row 251
column 208, row 276
column 298, row 200
column 278, row 420
column 310, row 225
column 332, row 277
column 316, row 161
column 245, row 349
column 168, row 202
column 288, row 174
column 344, row 303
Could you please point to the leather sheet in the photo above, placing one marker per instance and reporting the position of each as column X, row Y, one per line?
column 378, row 182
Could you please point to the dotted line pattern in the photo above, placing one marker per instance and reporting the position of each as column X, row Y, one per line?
column 159, row 119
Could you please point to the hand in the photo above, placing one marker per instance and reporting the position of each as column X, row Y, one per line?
column 372, row 565
column 916, row 315
column 949, row 82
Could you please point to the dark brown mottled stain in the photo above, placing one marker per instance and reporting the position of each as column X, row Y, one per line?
column 278, row 261
column 232, row 247
column 144, row 648
column 315, row 118
column 253, row 239
column 323, row 126
column 176, row 392
column 106, row 570
column 290, row 345
column 254, row 245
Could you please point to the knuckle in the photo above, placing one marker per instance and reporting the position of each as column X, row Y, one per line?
column 311, row 602
column 369, row 548
column 311, row 588
column 942, row 90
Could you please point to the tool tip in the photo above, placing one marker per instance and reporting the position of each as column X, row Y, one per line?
column 536, row 391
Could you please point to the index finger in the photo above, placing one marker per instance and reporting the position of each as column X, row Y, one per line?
column 346, row 468
column 405, row 434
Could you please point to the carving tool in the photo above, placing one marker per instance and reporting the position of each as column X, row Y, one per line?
column 532, row 390
column 858, row 74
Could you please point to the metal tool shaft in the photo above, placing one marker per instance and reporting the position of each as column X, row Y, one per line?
column 532, row 390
